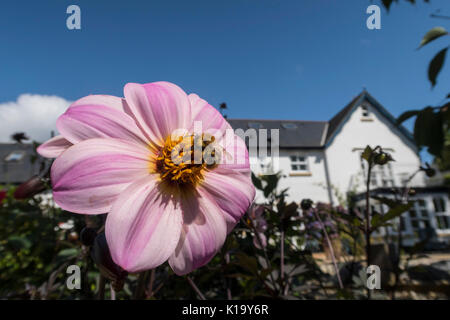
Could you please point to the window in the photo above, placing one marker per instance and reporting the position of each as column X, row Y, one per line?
column 442, row 217
column 402, row 223
column 439, row 204
column 14, row 156
column 299, row 163
column 255, row 125
column 365, row 112
column 418, row 215
column 289, row 125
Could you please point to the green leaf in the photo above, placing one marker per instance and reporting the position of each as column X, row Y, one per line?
column 428, row 131
column 396, row 212
column 436, row 65
column 272, row 182
column 406, row 115
column 19, row 242
column 68, row 253
column 257, row 182
column 356, row 222
column 367, row 153
column 265, row 272
column 431, row 35
column 248, row 263
column 376, row 218
column 391, row 203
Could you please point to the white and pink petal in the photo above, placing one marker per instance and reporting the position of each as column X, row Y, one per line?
column 88, row 176
column 159, row 108
column 234, row 153
column 114, row 102
column 233, row 192
column 203, row 234
column 207, row 117
column 82, row 122
column 144, row 226
column 53, row 147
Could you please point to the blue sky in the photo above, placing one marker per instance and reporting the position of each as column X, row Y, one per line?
column 268, row 59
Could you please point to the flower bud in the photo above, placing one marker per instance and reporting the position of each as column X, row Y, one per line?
column 29, row 188
column 87, row 236
column 73, row 236
column 430, row 172
column 382, row 158
column 102, row 257
column 306, row 204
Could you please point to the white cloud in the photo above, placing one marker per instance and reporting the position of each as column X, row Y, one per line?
column 33, row 114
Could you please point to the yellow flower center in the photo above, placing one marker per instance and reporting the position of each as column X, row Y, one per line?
column 183, row 161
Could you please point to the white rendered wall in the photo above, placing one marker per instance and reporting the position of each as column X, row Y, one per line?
column 343, row 153
column 311, row 184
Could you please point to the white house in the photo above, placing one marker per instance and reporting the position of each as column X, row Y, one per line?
column 321, row 160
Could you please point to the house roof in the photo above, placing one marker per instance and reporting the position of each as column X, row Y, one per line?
column 292, row 134
column 317, row 134
column 16, row 163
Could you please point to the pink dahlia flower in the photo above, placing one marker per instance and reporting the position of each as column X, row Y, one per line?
column 143, row 161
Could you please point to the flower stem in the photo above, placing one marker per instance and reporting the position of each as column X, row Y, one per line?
column 150, row 285
column 227, row 281
column 282, row 257
column 113, row 293
column 140, row 286
column 196, row 289
column 101, row 288
column 333, row 257
column 367, row 216
column 266, row 257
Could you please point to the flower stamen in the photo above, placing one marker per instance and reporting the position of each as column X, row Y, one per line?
column 183, row 161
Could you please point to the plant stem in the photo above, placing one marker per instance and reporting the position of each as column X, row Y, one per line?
column 101, row 288
column 150, row 285
column 227, row 281
column 333, row 257
column 282, row 258
column 196, row 289
column 140, row 286
column 367, row 216
column 258, row 238
column 113, row 293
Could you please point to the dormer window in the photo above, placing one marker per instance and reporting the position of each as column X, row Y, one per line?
column 289, row 125
column 15, row 156
column 255, row 125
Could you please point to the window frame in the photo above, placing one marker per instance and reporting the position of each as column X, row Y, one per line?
column 441, row 214
column 366, row 115
column 299, row 163
column 423, row 221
